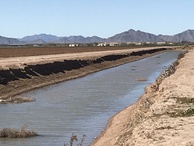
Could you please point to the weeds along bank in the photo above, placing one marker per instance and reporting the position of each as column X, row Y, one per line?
column 14, row 81
column 164, row 115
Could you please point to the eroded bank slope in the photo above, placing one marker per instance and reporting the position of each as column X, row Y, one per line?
column 164, row 115
column 19, row 75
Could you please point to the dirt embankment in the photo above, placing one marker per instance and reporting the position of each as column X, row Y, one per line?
column 163, row 116
column 14, row 81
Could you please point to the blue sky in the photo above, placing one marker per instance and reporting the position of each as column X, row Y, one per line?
column 103, row 18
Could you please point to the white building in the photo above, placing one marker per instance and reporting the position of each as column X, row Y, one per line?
column 161, row 43
column 73, row 45
column 102, row 44
column 113, row 44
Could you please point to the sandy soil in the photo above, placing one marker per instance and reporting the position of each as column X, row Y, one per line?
column 161, row 117
column 20, row 62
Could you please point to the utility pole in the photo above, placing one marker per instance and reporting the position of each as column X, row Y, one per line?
column 65, row 41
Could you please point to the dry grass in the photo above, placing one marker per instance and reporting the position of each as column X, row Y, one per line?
column 187, row 110
column 185, row 100
column 16, row 133
column 16, row 99
column 141, row 79
column 74, row 138
column 166, row 73
column 182, row 113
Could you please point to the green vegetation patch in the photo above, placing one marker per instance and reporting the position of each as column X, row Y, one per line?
column 181, row 113
column 185, row 100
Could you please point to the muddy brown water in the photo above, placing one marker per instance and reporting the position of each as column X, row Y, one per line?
column 83, row 105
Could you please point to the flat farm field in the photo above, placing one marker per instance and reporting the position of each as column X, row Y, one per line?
column 34, row 51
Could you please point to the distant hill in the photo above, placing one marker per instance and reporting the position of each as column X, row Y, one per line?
column 9, row 41
column 187, row 36
column 134, row 36
column 139, row 36
column 38, row 41
column 44, row 38
column 127, row 36
column 54, row 39
column 81, row 39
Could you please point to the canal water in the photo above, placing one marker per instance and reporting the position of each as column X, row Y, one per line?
column 83, row 105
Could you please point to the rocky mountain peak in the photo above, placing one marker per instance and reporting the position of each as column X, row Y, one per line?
column 127, row 36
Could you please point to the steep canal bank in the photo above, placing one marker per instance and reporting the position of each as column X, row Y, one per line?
column 21, row 78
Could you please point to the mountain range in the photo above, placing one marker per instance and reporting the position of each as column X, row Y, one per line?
column 127, row 36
